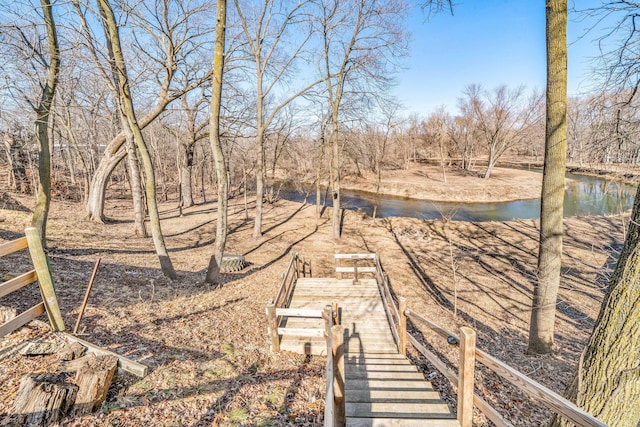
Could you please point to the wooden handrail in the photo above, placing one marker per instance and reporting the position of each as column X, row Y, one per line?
column 329, row 400
column 534, row 389
column 284, row 288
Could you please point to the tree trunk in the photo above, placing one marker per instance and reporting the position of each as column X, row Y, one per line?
column 335, row 166
column 133, row 167
column 606, row 382
column 213, row 272
column 43, row 196
column 257, row 226
column 126, row 104
column 186, row 167
column 98, row 185
column 545, row 294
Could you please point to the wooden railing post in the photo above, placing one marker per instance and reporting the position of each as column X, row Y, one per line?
column 402, row 327
column 338, row 369
column 465, row 376
column 272, row 322
column 45, row 281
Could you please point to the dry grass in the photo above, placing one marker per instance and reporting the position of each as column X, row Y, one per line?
column 207, row 348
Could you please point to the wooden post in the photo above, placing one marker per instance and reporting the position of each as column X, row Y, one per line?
column 355, row 272
column 338, row 368
column 465, row 376
column 402, row 328
column 334, row 309
column 45, row 281
column 328, row 320
column 272, row 321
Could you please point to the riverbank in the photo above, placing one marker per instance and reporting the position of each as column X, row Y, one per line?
column 207, row 347
column 506, row 184
column 428, row 182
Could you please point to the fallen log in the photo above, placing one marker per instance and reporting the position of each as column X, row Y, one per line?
column 43, row 399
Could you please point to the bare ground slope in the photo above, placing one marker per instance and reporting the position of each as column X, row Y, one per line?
column 207, row 347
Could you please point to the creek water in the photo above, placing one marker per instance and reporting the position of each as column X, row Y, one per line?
column 584, row 195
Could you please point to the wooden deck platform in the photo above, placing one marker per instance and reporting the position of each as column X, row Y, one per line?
column 382, row 387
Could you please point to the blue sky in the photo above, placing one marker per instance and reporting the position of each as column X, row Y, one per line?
column 490, row 42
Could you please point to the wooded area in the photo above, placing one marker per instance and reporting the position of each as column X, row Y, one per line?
column 182, row 102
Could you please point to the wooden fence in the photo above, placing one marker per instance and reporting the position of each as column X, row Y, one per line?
column 41, row 274
column 468, row 356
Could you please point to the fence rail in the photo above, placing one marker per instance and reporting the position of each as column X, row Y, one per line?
column 41, row 274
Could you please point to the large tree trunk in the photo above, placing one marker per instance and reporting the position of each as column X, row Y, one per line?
column 43, row 197
column 126, row 104
column 213, row 272
column 98, row 186
column 607, row 380
column 545, row 294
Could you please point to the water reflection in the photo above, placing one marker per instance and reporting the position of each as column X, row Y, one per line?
column 584, row 195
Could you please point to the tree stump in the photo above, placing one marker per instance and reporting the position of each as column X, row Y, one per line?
column 94, row 375
column 43, row 399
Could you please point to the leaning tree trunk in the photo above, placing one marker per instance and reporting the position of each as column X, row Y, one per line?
column 43, row 197
column 545, row 294
column 98, row 186
column 213, row 272
column 607, row 380
column 126, row 104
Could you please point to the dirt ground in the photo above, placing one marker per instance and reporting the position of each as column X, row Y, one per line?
column 207, row 346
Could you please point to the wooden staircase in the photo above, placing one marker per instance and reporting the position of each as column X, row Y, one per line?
column 382, row 387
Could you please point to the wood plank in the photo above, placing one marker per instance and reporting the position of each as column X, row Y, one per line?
column 17, row 283
column 386, row 375
column 352, row 270
column 377, row 367
column 373, row 384
column 301, row 347
column 396, row 422
column 299, row 312
column 305, row 332
column 355, row 256
column 12, row 246
column 398, row 410
column 124, row 363
column 22, row 319
column 536, row 390
column 405, row 395
column 41, row 265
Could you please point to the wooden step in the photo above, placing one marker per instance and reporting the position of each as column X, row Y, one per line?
column 418, row 394
column 378, row 367
column 398, row 410
column 395, row 422
column 382, row 384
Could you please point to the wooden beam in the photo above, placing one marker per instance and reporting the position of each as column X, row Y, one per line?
column 337, row 343
column 402, row 327
column 355, row 256
column 352, row 269
column 45, row 281
column 13, row 246
column 466, row 370
column 299, row 312
column 124, row 363
column 550, row 398
column 301, row 332
column 22, row 319
column 272, row 327
column 17, row 282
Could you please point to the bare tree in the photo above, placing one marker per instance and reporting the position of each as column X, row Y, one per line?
column 545, row 293
column 213, row 272
column 126, row 105
column 265, row 30
column 502, row 118
column 360, row 40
